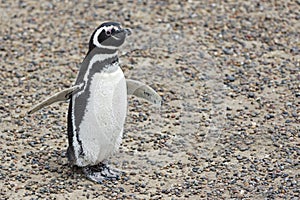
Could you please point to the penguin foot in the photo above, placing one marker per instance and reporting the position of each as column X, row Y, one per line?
column 100, row 172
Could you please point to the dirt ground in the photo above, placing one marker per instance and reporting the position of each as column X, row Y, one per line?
column 229, row 73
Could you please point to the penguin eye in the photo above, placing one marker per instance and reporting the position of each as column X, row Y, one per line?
column 108, row 32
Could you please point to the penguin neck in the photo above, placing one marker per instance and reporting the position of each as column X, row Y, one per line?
column 99, row 62
column 96, row 55
column 97, row 50
column 100, row 54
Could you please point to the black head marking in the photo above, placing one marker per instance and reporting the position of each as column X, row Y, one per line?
column 109, row 35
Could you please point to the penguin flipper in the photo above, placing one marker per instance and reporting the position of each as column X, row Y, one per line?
column 143, row 91
column 60, row 96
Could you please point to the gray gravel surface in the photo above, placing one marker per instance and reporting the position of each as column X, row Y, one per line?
column 229, row 73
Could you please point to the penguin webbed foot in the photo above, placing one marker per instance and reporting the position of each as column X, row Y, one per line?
column 99, row 173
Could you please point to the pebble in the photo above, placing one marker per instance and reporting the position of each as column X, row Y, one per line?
column 269, row 116
column 228, row 51
column 230, row 78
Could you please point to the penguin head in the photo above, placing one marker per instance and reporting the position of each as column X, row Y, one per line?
column 109, row 35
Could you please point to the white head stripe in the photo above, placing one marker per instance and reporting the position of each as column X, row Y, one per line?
column 96, row 35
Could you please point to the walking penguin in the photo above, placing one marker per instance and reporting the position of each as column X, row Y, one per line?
column 98, row 103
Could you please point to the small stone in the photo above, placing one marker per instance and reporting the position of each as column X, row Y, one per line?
column 269, row 116
column 230, row 78
column 294, row 114
column 243, row 147
column 228, row 51
column 239, row 157
column 195, row 169
column 270, row 169
column 251, row 95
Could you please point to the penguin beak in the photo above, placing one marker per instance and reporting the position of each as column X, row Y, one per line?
column 127, row 31
column 119, row 34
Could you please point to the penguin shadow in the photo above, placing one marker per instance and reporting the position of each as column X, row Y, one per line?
column 139, row 150
column 55, row 164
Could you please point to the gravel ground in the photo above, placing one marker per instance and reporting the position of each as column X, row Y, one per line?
column 230, row 76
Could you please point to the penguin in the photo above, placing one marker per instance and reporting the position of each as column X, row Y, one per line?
column 98, row 103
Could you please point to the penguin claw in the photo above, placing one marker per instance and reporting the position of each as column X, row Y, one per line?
column 100, row 173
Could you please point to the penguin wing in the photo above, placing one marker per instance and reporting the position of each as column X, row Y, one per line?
column 60, row 96
column 143, row 91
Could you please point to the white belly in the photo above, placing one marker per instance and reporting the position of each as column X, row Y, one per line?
column 101, row 129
